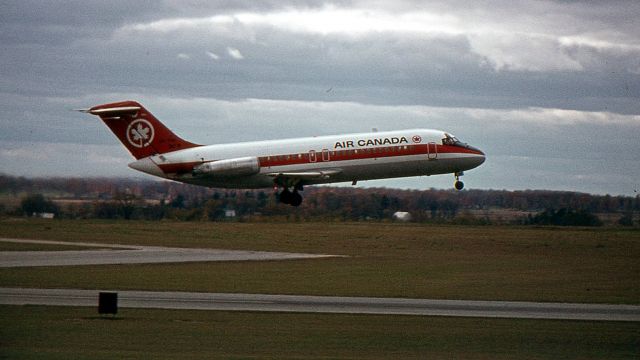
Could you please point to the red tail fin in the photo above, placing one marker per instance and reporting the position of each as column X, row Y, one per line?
column 138, row 129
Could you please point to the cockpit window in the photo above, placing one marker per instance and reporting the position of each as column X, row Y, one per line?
column 450, row 140
column 453, row 141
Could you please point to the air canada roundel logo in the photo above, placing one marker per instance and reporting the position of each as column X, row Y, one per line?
column 416, row 139
column 140, row 133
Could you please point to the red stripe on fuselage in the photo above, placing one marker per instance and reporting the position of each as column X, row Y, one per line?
column 326, row 156
column 178, row 168
column 362, row 153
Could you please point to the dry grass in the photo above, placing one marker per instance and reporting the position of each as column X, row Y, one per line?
column 78, row 333
column 386, row 260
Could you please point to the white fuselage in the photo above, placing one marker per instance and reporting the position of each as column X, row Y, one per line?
column 315, row 160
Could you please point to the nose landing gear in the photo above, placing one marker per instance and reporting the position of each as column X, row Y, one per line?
column 458, row 185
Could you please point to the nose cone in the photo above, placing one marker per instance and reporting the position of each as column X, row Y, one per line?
column 478, row 157
column 481, row 158
column 475, row 149
column 480, row 154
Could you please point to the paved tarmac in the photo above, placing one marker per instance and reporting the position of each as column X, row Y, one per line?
column 131, row 254
column 325, row 304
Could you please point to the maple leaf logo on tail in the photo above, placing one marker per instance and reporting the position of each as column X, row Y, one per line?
column 140, row 133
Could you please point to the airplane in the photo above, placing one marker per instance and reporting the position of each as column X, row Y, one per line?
column 286, row 165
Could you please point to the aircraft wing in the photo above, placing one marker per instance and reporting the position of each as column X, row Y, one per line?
column 306, row 175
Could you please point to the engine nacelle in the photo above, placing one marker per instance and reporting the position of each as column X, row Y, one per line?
column 229, row 167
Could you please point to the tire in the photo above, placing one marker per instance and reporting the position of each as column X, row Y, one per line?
column 286, row 196
column 296, row 199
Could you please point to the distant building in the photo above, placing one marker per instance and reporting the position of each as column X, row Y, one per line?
column 44, row 215
column 402, row 216
column 230, row 213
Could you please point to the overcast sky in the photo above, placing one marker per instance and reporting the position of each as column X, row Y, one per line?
column 550, row 90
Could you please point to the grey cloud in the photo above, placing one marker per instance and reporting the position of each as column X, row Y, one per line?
column 592, row 58
column 63, row 159
column 442, row 70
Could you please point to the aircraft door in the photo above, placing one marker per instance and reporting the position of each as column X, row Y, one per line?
column 325, row 155
column 312, row 156
column 432, row 151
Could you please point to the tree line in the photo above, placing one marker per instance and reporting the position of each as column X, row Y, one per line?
column 145, row 199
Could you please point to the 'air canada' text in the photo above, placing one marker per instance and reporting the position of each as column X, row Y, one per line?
column 370, row 142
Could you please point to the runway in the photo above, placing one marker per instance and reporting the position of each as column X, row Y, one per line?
column 109, row 254
column 325, row 304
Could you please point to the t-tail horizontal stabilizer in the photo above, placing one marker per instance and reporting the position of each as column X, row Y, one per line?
column 138, row 130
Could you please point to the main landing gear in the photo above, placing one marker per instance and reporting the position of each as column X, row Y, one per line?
column 292, row 198
column 459, row 185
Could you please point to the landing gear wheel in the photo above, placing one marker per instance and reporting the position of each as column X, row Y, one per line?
column 296, row 199
column 459, row 185
column 286, row 196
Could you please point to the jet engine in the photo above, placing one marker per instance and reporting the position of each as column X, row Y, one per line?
column 229, row 167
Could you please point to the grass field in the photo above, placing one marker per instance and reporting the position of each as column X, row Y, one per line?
column 385, row 260
column 389, row 260
column 37, row 332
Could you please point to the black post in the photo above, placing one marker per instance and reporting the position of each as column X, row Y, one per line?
column 108, row 303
